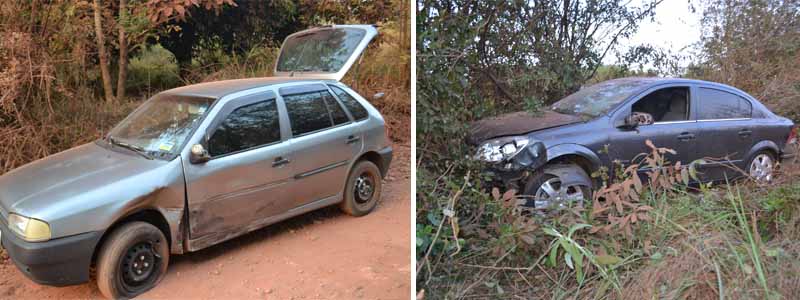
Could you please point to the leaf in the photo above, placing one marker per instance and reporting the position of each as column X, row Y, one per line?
column 577, row 227
column 528, row 238
column 568, row 260
column 495, row 194
column 685, row 176
column 553, row 255
column 509, row 194
column 637, row 183
column 606, row 259
column 550, row 231
column 578, row 260
column 649, row 143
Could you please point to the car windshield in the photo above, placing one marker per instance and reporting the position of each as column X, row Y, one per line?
column 598, row 99
column 161, row 124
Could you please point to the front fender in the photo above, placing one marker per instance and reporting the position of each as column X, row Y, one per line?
column 560, row 150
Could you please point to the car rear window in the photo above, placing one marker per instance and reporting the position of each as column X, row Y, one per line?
column 356, row 109
column 246, row 127
column 717, row 104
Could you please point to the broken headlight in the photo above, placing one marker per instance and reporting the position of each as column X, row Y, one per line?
column 501, row 149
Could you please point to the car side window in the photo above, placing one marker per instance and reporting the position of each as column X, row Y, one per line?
column 664, row 105
column 356, row 109
column 246, row 127
column 337, row 112
column 716, row 104
column 313, row 111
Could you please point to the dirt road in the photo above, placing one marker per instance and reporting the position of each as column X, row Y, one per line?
column 320, row 255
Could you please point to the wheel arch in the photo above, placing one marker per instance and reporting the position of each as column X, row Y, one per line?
column 375, row 158
column 148, row 215
column 765, row 145
column 576, row 154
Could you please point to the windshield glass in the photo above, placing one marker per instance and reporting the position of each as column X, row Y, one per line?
column 324, row 50
column 598, row 99
column 162, row 124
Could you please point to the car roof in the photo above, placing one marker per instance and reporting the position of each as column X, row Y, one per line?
column 650, row 81
column 218, row 89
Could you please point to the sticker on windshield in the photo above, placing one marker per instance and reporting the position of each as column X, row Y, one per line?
column 201, row 110
column 166, row 146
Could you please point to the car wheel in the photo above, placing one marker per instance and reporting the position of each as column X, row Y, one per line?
column 545, row 192
column 363, row 189
column 132, row 260
column 761, row 167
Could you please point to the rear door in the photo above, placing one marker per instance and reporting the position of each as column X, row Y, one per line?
column 323, row 53
column 726, row 132
column 248, row 176
column 324, row 142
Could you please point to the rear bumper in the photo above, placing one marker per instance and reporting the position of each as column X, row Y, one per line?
column 386, row 159
column 59, row 262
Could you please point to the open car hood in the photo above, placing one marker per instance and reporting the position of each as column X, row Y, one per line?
column 516, row 123
column 325, row 52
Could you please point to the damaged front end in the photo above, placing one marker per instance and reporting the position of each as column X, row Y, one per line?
column 509, row 159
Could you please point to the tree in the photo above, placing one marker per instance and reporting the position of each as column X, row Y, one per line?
column 101, row 49
column 755, row 46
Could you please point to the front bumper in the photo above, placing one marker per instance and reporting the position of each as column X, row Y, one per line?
column 386, row 159
column 58, row 262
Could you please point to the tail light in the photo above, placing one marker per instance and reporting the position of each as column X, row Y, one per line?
column 792, row 136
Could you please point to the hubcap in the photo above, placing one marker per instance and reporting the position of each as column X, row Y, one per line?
column 761, row 168
column 139, row 265
column 364, row 188
column 553, row 194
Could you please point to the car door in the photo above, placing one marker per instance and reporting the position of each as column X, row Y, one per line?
column 324, row 142
column 676, row 131
column 726, row 132
column 247, row 178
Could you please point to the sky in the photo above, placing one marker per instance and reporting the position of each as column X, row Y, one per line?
column 674, row 28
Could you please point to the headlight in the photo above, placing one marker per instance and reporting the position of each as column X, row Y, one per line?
column 501, row 149
column 31, row 230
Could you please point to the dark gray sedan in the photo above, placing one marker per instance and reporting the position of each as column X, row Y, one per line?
column 550, row 155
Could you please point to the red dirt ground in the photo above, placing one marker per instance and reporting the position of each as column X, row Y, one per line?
column 321, row 255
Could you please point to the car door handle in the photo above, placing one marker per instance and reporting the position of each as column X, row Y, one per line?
column 352, row 139
column 686, row 136
column 279, row 161
column 745, row 132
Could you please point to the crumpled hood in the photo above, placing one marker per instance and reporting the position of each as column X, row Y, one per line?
column 516, row 123
column 40, row 185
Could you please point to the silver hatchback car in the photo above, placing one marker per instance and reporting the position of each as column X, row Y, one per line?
column 198, row 165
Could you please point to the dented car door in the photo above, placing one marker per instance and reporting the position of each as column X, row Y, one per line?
column 246, row 179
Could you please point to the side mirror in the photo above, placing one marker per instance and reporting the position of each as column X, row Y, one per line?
column 199, row 154
column 631, row 122
column 378, row 96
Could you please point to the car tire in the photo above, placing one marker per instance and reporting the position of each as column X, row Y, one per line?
column 132, row 260
column 765, row 157
column 363, row 189
column 541, row 177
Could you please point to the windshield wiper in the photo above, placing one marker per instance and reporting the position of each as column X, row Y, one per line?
column 137, row 149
